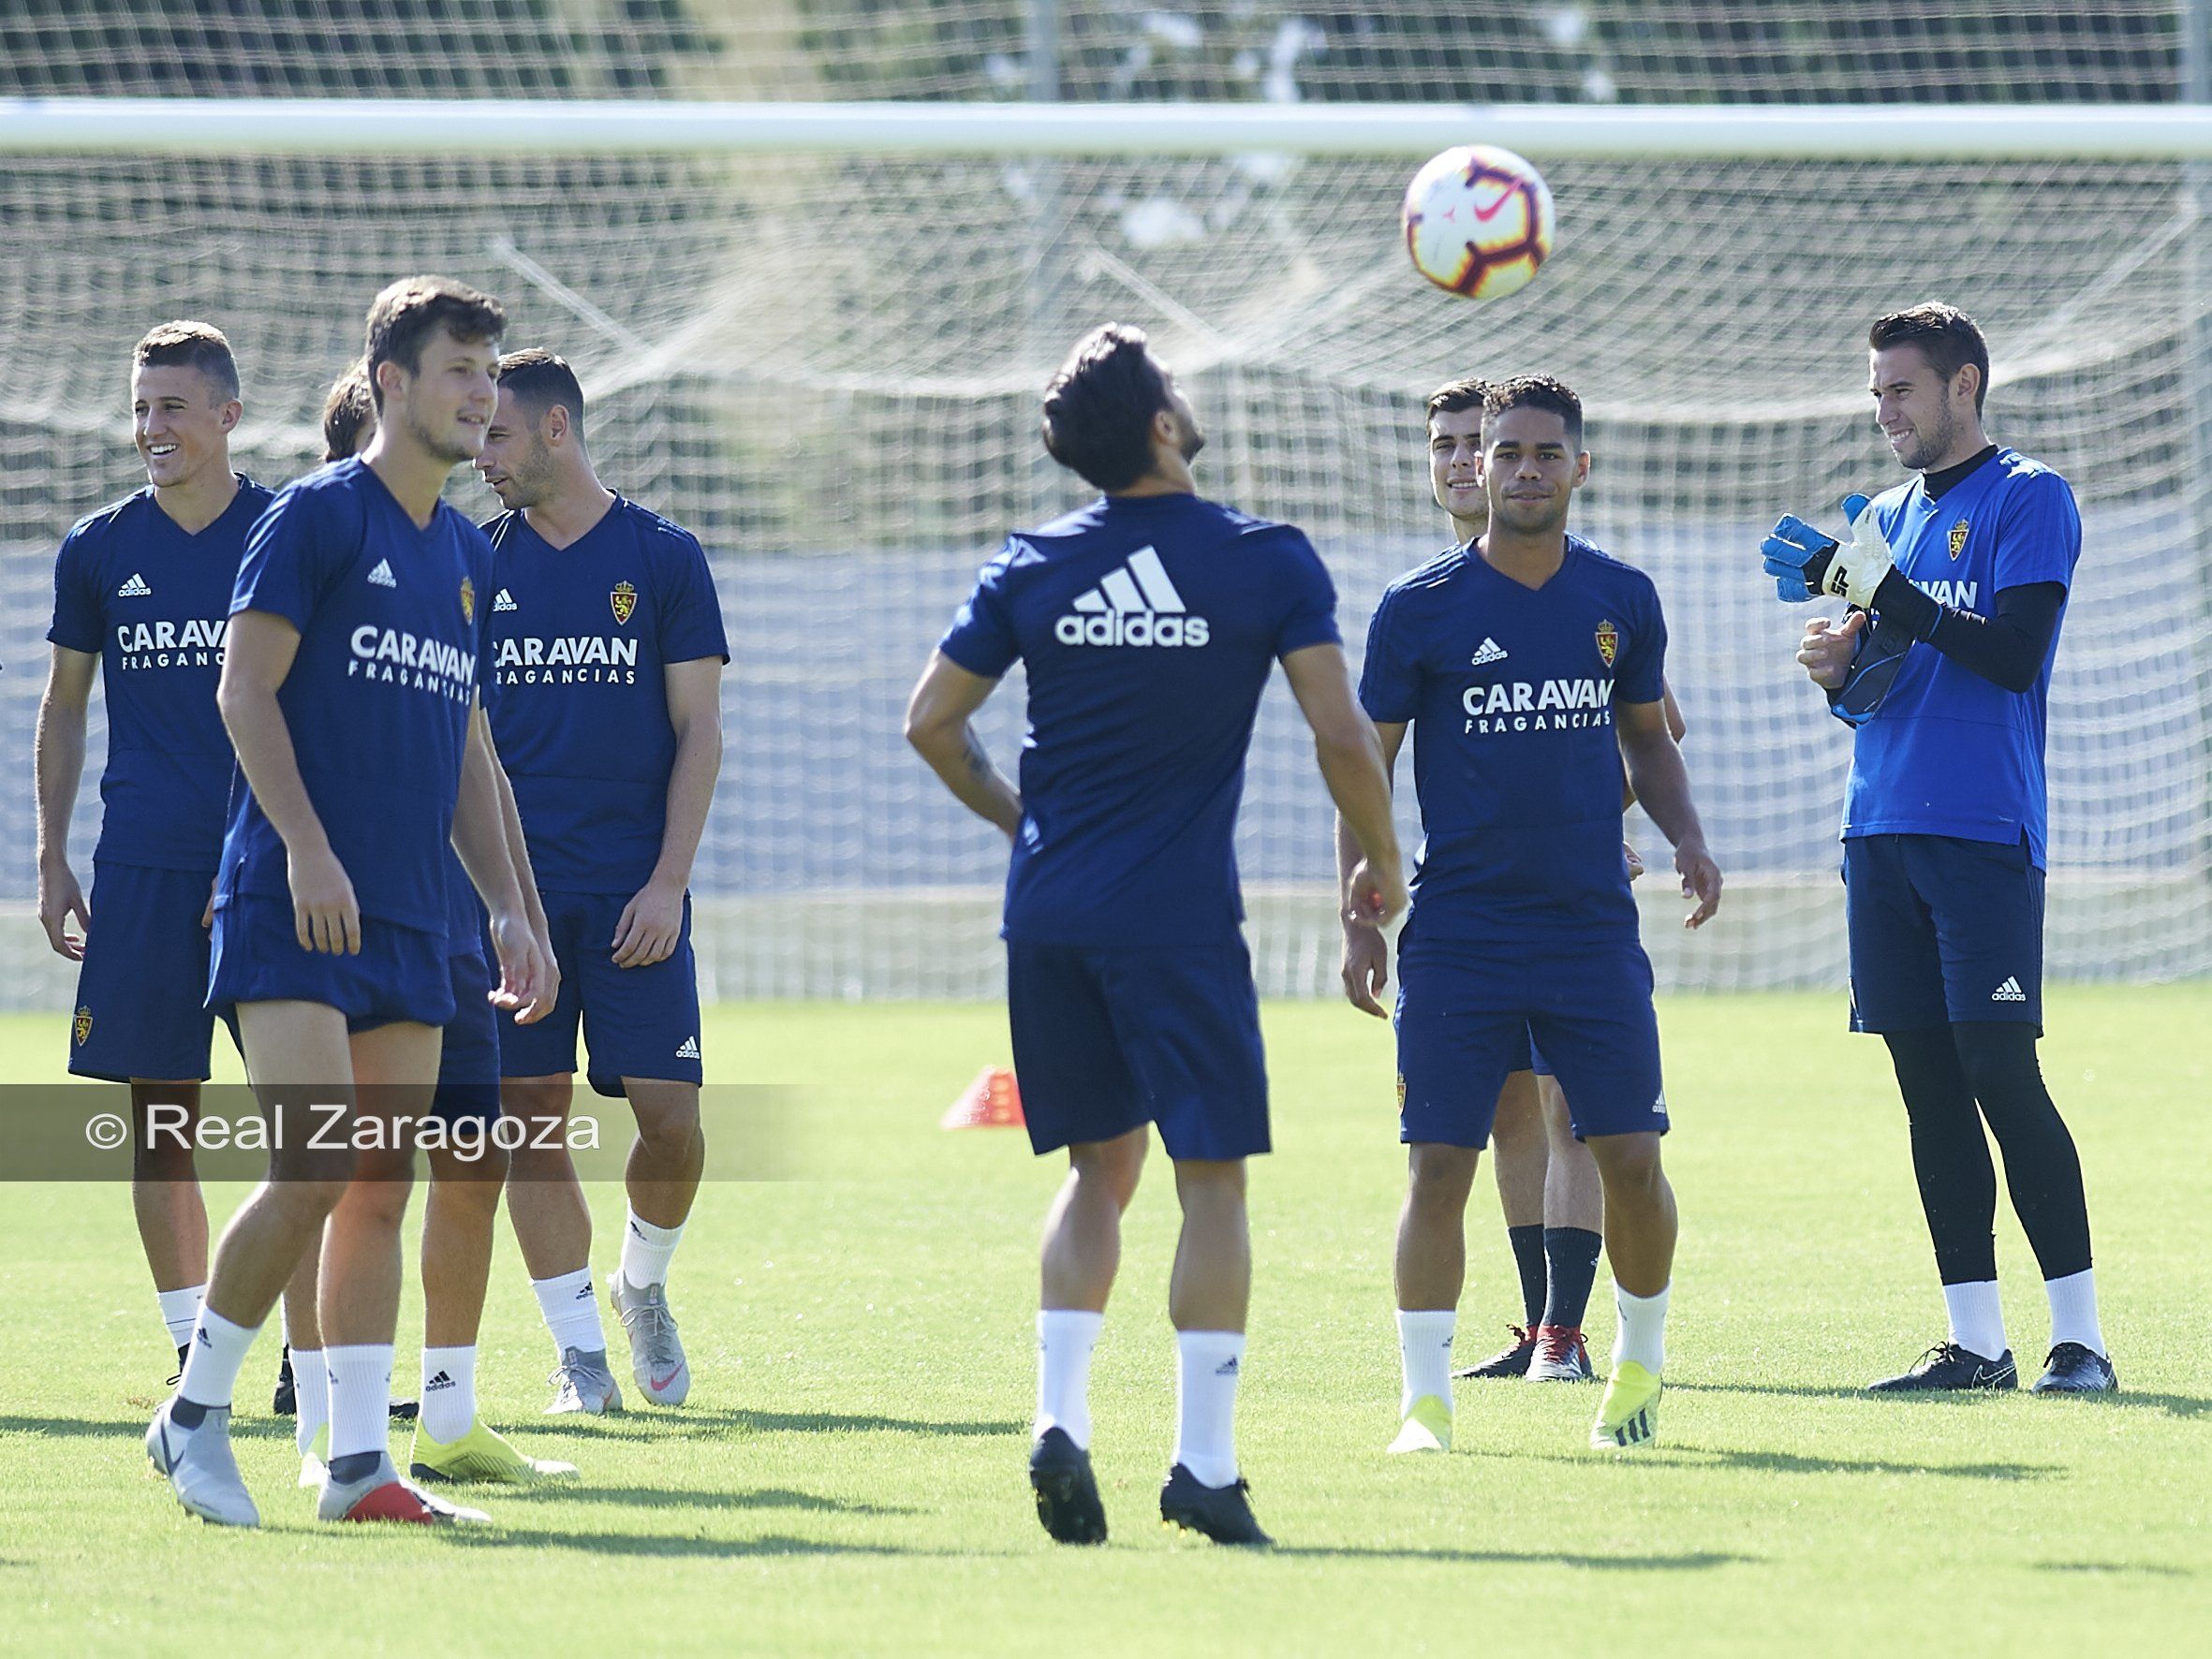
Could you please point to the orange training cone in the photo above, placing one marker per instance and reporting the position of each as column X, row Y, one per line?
column 990, row 1102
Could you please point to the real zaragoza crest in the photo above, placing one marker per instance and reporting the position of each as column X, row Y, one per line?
column 624, row 600
column 467, row 600
column 1608, row 642
column 83, row 1024
column 1958, row 538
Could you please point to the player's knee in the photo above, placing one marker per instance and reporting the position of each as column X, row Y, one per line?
column 1214, row 1182
column 1440, row 1176
column 1629, row 1164
column 472, row 1177
column 161, row 1163
column 1113, row 1165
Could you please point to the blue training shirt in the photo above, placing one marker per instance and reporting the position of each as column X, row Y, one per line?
column 1950, row 752
column 153, row 601
column 1511, row 694
column 1148, row 626
column 581, row 636
column 392, row 649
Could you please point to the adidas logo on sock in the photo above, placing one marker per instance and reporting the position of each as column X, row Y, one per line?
column 135, row 588
column 2009, row 991
column 688, row 1049
column 636, row 1228
column 382, row 576
column 1489, row 651
column 1136, row 604
column 505, row 601
column 1228, row 1368
column 438, row 1382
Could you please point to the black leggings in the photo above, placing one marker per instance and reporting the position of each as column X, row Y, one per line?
column 1944, row 1071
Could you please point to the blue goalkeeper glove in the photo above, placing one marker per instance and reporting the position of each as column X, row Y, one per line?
column 1808, row 563
column 1874, row 669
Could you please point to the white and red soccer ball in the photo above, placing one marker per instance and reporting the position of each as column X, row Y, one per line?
column 1478, row 221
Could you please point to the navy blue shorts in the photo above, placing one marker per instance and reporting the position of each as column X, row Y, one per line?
column 1468, row 1014
column 401, row 973
column 1944, row 931
column 141, row 989
column 1106, row 1041
column 637, row 1022
column 468, row 1061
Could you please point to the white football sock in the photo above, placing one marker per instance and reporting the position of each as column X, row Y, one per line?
column 1065, row 1337
column 448, row 1392
column 311, row 1389
column 360, row 1398
column 646, row 1250
column 1425, row 1352
column 1641, row 1337
column 1206, row 1367
column 1977, row 1318
column 180, row 1312
column 571, row 1311
column 2073, row 1310
column 218, row 1349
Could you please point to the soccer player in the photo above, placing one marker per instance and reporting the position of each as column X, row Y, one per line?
column 451, row 1442
column 350, row 688
column 1957, row 583
column 607, row 705
column 1149, row 623
column 141, row 595
column 1531, row 665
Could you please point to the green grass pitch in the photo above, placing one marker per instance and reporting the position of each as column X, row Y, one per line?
column 848, row 1478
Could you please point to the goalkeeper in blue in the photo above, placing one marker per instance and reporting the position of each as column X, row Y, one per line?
column 1955, row 584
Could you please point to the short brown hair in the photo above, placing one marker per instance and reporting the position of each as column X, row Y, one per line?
column 539, row 379
column 1535, row 391
column 1459, row 394
column 1098, row 409
column 1946, row 336
column 346, row 413
column 189, row 345
column 404, row 315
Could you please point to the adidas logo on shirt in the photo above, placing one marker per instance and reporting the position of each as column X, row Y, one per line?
column 135, row 588
column 1489, row 651
column 2009, row 991
column 1136, row 604
column 382, row 576
column 505, row 601
column 688, row 1049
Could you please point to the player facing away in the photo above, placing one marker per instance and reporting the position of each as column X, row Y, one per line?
column 1149, row 623
column 349, row 689
column 142, row 597
column 607, row 705
column 451, row 1442
column 1529, row 665
column 1956, row 584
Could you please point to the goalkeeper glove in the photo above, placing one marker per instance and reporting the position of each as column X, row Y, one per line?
column 1873, row 671
column 1807, row 564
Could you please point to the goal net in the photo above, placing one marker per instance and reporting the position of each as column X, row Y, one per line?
column 827, row 365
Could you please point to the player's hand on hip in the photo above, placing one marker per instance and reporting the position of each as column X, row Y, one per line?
column 649, row 927
column 1634, row 859
column 59, row 898
column 1366, row 969
column 1827, row 651
column 1373, row 898
column 1701, row 880
column 326, row 916
column 529, row 977
column 207, row 913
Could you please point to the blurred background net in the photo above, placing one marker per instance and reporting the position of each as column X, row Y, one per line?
column 828, row 369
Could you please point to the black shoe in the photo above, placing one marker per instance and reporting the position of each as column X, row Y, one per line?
column 287, row 1402
column 1512, row 1362
column 1222, row 1513
column 183, row 1349
column 405, row 1411
column 1949, row 1366
column 2074, row 1367
column 1067, row 1491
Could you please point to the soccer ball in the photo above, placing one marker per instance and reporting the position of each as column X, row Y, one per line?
column 1478, row 221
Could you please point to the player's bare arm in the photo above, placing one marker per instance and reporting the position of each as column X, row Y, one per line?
column 1366, row 968
column 59, row 767
column 945, row 700
column 530, row 983
column 653, row 921
column 1351, row 758
column 257, row 658
column 1661, row 782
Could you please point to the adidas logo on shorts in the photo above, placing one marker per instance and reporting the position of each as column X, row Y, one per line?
column 505, row 601
column 688, row 1049
column 1489, row 651
column 135, row 588
column 382, row 576
column 2009, row 991
column 1136, row 604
